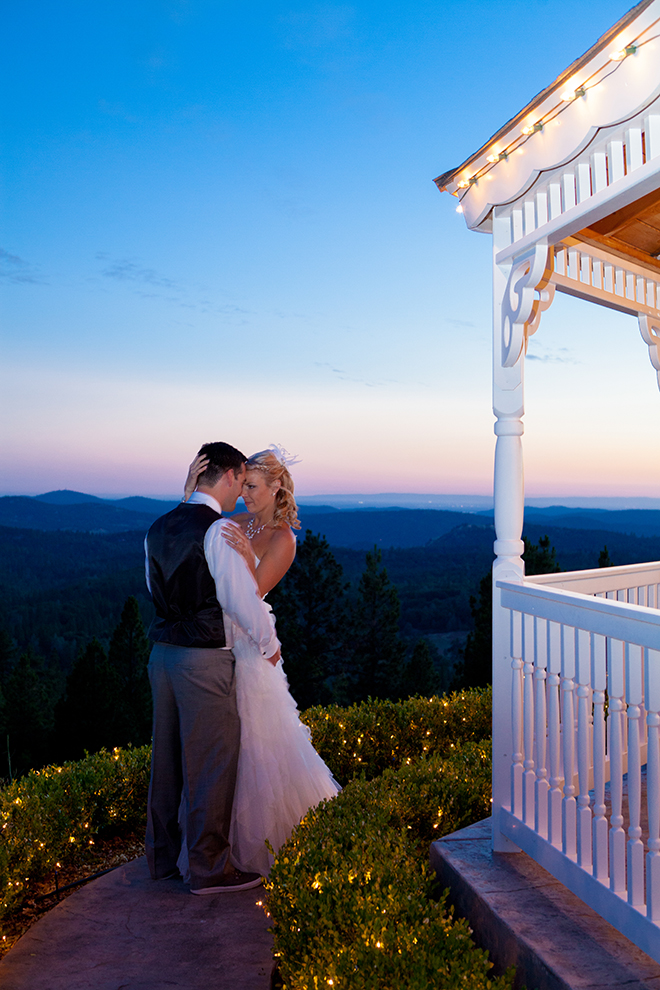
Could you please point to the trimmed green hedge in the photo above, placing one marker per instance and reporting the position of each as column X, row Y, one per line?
column 374, row 736
column 381, row 825
column 352, row 900
column 51, row 815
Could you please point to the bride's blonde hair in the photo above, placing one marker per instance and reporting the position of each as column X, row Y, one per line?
column 286, row 510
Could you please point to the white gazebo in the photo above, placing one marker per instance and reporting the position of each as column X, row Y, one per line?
column 570, row 191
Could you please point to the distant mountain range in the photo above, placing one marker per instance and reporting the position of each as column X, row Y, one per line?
column 356, row 527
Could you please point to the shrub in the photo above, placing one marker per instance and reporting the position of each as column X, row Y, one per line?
column 373, row 736
column 52, row 815
column 352, row 900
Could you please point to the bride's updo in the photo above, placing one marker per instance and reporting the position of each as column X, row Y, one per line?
column 273, row 469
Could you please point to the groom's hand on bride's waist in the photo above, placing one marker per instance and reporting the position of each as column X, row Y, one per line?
column 275, row 657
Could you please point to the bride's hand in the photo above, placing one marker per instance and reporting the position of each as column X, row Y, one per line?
column 198, row 466
column 238, row 541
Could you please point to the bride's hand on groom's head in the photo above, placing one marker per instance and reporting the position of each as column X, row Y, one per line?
column 198, row 466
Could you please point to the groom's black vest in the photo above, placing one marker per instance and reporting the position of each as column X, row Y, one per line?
column 182, row 588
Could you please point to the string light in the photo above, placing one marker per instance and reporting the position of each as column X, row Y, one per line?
column 567, row 97
column 573, row 94
column 623, row 53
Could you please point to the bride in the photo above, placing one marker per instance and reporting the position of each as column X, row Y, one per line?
column 280, row 774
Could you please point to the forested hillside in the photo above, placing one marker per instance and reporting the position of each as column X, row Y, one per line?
column 353, row 621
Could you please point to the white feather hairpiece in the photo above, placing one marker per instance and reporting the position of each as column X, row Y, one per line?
column 283, row 455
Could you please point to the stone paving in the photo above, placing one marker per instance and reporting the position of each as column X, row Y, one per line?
column 126, row 932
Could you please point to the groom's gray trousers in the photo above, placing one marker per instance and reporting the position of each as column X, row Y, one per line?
column 196, row 739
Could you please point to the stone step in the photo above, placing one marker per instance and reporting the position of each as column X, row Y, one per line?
column 527, row 919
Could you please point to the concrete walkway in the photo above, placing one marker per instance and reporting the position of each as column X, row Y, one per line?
column 126, row 932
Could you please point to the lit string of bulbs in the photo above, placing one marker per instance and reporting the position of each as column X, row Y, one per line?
column 567, row 97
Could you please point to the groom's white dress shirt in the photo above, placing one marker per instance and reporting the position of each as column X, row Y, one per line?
column 236, row 589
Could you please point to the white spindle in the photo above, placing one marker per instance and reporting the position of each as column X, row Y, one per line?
column 615, row 687
column 529, row 216
column 529, row 777
column 599, row 170
column 599, row 825
column 542, row 786
column 619, row 281
column 615, row 160
column 583, row 177
column 569, row 843
column 634, row 152
column 583, row 672
column 516, row 716
column 652, row 134
column 554, row 194
column 597, row 273
column 541, row 208
column 568, row 190
column 652, row 696
column 585, row 268
column 554, row 734
column 635, row 848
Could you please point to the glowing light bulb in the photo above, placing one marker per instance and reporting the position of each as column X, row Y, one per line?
column 459, row 209
column 622, row 53
column 463, row 184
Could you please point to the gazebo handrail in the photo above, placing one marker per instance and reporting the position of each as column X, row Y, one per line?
column 603, row 579
column 637, row 624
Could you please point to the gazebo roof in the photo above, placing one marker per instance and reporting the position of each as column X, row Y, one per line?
column 611, row 94
column 443, row 181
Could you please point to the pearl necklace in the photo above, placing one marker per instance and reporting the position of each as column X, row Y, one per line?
column 251, row 532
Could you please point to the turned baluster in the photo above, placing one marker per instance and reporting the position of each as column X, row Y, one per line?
column 635, row 846
column 652, row 695
column 615, row 688
column 541, row 786
column 554, row 735
column 599, row 824
column 516, row 716
column 569, row 807
column 529, row 777
column 583, row 671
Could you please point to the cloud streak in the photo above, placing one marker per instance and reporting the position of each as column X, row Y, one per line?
column 17, row 270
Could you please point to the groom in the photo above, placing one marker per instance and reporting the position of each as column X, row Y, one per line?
column 200, row 588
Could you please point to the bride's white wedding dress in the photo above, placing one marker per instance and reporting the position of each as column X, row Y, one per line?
column 280, row 775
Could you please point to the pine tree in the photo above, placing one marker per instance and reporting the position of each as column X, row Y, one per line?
column 310, row 610
column 378, row 653
column 604, row 559
column 540, row 558
column 128, row 657
column 86, row 718
column 420, row 675
column 475, row 670
column 28, row 718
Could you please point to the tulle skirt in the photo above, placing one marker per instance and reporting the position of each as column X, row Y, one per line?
column 280, row 774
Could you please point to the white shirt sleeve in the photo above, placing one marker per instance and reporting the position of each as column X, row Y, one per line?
column 237, row 591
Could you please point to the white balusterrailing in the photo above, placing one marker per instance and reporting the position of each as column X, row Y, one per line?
column 585, row 669
column 619, row 153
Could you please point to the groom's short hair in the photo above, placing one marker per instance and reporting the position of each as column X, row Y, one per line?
column 222, row 457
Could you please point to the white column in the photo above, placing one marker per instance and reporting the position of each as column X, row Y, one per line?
column 508, row 495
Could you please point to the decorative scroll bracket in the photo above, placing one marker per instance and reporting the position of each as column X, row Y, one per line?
column 528, row 293
column 649, row 327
